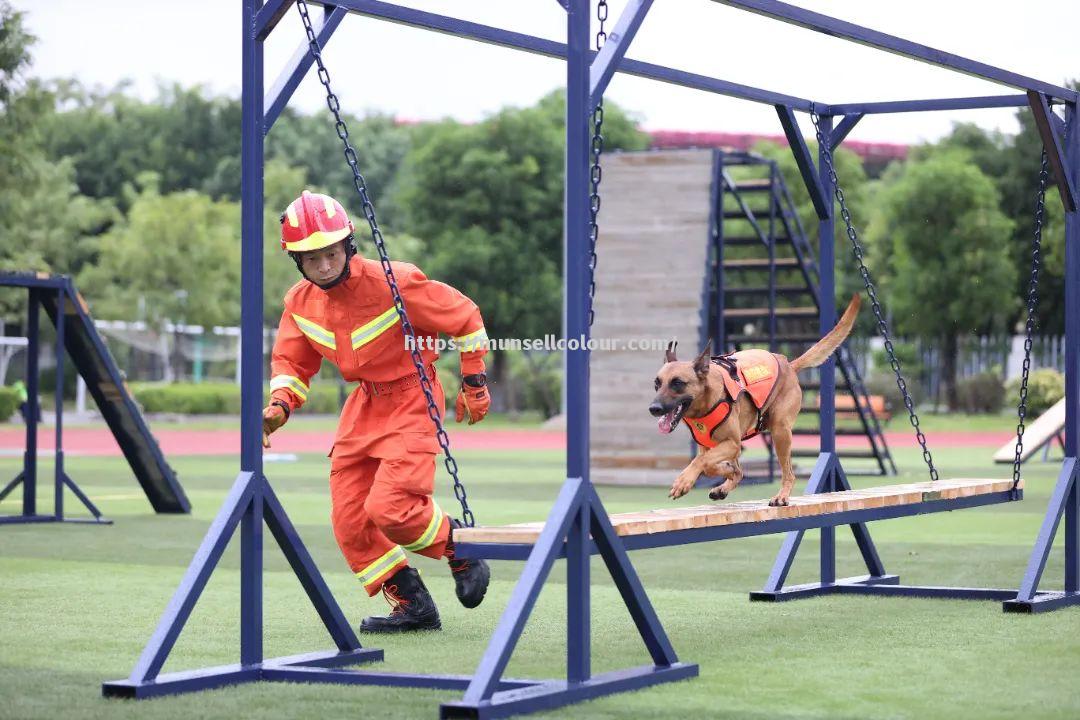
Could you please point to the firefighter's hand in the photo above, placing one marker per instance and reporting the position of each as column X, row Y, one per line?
column 274, row 416
column 474, row 399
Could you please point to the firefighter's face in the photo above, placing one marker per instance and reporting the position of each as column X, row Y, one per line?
column 324, row 265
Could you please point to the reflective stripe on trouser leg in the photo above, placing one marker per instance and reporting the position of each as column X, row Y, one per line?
column 431, row 532
column 372, row 576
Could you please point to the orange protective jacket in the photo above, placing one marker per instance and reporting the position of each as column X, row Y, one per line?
column 356, row 327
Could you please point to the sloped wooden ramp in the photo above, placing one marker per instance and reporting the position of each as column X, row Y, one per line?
column 651, row 280
column 901, row 499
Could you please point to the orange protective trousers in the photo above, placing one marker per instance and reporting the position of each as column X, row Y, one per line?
column 382, row 476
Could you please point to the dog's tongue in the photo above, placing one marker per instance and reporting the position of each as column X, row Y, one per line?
column 665, row 422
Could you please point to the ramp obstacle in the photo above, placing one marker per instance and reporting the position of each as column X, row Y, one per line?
column 78, row 339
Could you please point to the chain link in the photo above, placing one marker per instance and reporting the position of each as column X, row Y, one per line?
column 871, row 291
column 1032, row 302
column 595, row 172
column 334, row 104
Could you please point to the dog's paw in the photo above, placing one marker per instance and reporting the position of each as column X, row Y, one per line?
column 778, row 502
column 717, row 494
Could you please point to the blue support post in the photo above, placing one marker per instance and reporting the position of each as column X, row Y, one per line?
column 33, row 406
column 58, row 478
column 576, row 219
column 578, row 605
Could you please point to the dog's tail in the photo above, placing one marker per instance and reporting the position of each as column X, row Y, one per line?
column 823, row 348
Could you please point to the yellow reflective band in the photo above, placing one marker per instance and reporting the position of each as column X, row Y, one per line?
column 290, row 213
column 318, row 240
column 375, row 571
column 430, row 533
column 329, row 205
column 291, row 383
column 317, row 334
column 369, row 331
column 472, row 341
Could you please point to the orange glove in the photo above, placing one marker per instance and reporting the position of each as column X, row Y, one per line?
column 274, row 416
column 474, row 399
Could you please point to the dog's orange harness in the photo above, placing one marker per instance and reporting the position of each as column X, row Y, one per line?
column 751, row 371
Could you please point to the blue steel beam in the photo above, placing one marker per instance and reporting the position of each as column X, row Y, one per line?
column 550, row 48
column 606, row 62
column 899, row 46
column 902, row 106
column 805, row 162
column 1040, row 108
column 294, row 71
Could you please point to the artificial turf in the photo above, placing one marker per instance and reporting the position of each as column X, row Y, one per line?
column 77, row 603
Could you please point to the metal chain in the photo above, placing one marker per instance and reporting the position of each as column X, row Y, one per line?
column 871, row 291
column 595, row 173
column 376, row 235
column 1032, row 301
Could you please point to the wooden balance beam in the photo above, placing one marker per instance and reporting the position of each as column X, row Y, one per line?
column 820, row 510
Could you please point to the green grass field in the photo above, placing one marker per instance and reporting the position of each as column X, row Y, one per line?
column 77, row 603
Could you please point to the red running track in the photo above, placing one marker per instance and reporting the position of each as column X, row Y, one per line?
column 99, row 441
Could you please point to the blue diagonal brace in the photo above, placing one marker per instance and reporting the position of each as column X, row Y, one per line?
column 307, row 572
column 841, row 131
column 804, row 160
column 198, row 574
column 629, row 585
column 614, row 50
column 819, row 480
column 1052, row 142
column 1041, row 551
column 486, row 679
column 874, row 566
column 269, row 16
column 299, row 64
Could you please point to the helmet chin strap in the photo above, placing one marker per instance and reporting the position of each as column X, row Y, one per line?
column 350, row 250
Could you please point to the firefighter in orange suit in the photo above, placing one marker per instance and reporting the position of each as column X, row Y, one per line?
column 382, row 467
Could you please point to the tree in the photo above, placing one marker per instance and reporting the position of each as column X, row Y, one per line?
column 951, row 256
column 175, row 257
column 487, row 199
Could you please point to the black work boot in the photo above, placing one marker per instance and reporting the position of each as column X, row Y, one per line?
column 471, row 577
column 412, row 606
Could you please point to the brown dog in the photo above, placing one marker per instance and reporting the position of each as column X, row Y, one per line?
column 728, row 399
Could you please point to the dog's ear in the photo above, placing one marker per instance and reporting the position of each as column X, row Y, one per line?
column 669, row 354
column 701, row 363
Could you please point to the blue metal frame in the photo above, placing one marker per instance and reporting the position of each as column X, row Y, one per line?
column 37, row 287
column 577, row 525
column 62, row 303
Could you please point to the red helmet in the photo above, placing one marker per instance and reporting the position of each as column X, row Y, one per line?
column 313, row 221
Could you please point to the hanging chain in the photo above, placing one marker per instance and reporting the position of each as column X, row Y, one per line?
column 1032, row 301
column 871, row 291
column 595, row 172
column 376, row 235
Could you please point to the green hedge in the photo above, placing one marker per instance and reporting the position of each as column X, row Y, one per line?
column 9, row 402
column 1045, row 387
column 221, row 398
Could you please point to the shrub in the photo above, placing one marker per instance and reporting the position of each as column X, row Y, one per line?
column 1045, row 387
column 982, row 393
column 884, row 384
column 223, row 398
column 9, row 402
